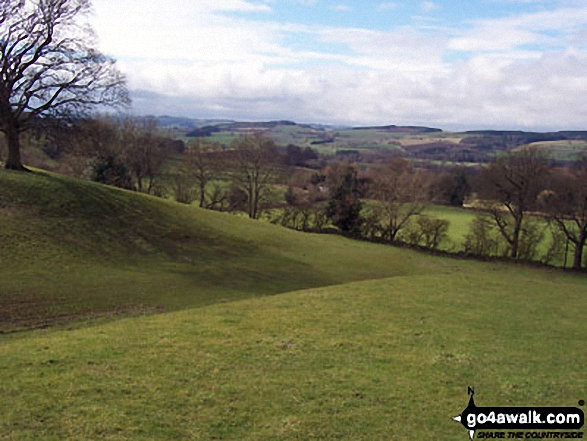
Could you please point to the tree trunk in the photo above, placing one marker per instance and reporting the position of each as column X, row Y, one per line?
column 578, row 255
column 14, row 161
column 516, row 237
column 250, row 203
column 151, row 183
column 255, row 205
column 202, row 194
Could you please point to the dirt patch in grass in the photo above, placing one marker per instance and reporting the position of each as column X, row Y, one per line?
column 34, row 314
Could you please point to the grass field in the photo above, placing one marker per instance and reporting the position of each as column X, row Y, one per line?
column 343, row 139
column 72, row 248
column 568, row 150
column 461, row 218
column 363, row 342
column 459, row 222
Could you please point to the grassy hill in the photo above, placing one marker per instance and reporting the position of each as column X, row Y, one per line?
column 73, row 249
column 364, row 342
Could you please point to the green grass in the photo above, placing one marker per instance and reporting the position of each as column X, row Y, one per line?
column 568, row 150
column 343, row 139
column 73, row 249
column 363, row 342
column 374, row 360
column 459, row 220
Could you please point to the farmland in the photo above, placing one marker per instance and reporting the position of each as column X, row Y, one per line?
column 419, row 143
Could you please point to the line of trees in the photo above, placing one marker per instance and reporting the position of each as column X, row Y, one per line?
column 520, row 197
column 520, row 200
column 238, row 178
column 126, row 152
column 385, row 203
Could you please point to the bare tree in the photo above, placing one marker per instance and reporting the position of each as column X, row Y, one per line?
column 482, row 238
column 204, row 165
column 428, row 232
column 566, row 205
column 49, row 67
column 145, row 151
column 401, row 192
column 304, row 210
column 256, row 165
column 511, row 185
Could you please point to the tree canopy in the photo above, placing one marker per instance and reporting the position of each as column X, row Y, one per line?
column 50, row 67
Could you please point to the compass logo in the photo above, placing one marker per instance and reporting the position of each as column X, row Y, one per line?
column 475, row 418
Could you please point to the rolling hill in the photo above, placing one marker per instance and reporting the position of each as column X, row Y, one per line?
column 72, row 249
column 363, row 342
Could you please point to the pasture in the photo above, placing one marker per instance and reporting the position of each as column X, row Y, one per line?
column 160, row 321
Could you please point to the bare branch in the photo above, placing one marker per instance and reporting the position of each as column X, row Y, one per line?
column 49, row 66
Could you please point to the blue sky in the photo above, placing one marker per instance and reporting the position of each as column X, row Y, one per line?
column 456, row 65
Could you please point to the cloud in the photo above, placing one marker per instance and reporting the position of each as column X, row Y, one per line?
column 404, row 49
column 428, row 6
column 547, row 93
column 342, row 8
column 547, row 28
column 189, row 30
column 522, row 71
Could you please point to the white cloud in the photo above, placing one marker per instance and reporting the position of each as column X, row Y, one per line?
column 341, row 8
column 545, row 93
column 428, row 6
column 196, row 60
column 189, row 30
column 486, row 91
column 545, row 28
column 404, row 49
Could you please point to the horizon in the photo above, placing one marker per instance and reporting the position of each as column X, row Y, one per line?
column 218, row 121
column 496, row 64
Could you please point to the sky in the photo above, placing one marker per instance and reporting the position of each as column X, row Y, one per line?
column 455, row 65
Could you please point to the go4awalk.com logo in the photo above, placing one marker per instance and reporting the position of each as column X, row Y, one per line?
column 521, row 422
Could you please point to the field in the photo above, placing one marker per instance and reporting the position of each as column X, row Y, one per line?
column 461, row 218
column 459, row 227
column 568, row 150
column 330, row 141
column 418, row 144
column 97, row 249
column 170, row 322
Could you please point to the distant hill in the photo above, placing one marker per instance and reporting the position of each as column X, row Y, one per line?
column 401, row 129
column 187, row 123
column 521, row 137
column 240, row 127
column 418, row 142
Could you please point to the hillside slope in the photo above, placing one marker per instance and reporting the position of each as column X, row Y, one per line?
column 386, row 359
column 71, row 248
column 356, row 360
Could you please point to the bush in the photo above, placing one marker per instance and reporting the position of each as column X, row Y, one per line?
column 427, row 231
column 110, row 170
column 183, row 189
column 482, row 239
